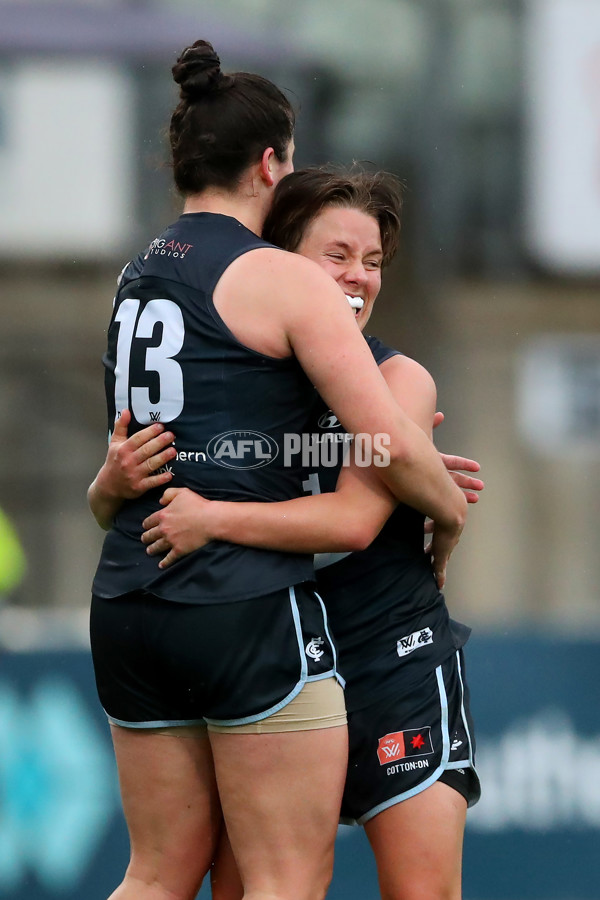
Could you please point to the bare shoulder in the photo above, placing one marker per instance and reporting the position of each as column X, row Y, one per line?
column 405, row 367
column 264, row 293
column 413, row 388
column 280, row 270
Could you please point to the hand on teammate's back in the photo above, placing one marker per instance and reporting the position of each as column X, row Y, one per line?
column 177, row 529
column 133, row 463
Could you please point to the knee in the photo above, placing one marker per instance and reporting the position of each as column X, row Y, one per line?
column 162, row 882
column 290, row 890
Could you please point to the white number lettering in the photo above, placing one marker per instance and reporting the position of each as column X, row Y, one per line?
column 126, row 315
column 312, row 485
column 158, row 359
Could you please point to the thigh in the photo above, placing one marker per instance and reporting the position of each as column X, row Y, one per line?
column 320, row 705
column 418, row 845
column 281, row 797
column 171, row 806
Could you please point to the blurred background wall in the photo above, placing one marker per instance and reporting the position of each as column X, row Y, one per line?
column 489, row 110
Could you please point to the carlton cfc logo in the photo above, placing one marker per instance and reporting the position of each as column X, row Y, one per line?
column 313, row 648
column 400, row 744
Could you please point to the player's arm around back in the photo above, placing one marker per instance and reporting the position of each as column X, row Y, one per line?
column 322, row 333
column 281, row 303
column 346, row 520
column 363, row 500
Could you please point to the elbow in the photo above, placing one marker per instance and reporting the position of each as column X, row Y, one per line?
column 105, row 522
column 102, row 517
column 401, row 453
column 456, row 519
column 361, row 542
column 360, row 535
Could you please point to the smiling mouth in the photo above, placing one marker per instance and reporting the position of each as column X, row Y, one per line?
column 356, row 303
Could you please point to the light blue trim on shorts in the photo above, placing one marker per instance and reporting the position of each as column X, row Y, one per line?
column 333, row 671
column 462, row 709
column 417, row 789
column 246, row 720
column 330, row 674
column 170, row 724
column 470, row 763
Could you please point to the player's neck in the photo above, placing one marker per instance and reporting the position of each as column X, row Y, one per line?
column 247, row 209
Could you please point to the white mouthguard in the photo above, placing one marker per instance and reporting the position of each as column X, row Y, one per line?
column 355, row 302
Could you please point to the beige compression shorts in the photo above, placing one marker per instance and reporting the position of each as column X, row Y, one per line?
column 320, row 704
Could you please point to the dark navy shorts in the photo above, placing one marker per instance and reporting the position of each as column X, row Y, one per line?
column 159, row 663
column 401, row 745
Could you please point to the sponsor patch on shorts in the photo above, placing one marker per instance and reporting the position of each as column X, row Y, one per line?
column 413, row 641
column 400, row 744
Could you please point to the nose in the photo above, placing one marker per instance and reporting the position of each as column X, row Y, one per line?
column 356, row 273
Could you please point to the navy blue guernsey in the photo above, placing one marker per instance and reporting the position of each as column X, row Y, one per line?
column 171, row 358
column 389, row 619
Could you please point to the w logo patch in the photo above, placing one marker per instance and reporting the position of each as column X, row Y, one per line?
column 400, row 744
column 413, row 641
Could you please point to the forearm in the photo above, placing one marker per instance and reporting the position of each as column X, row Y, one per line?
column 103, row 504
column 324, row 523
column 418, row 477
column 415, row 475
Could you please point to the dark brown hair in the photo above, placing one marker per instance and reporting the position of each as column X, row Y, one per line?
column 301, row 196
column 223, row 122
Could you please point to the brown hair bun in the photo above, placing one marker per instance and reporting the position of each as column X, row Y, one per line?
column 198, row 71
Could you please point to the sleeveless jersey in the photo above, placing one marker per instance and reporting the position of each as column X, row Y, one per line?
column 172, row 359
column 389, row 619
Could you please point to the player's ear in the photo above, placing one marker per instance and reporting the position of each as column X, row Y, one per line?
column 267, row 163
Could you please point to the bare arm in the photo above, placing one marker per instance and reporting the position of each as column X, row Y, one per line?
column 348, row 519
column 305, row 311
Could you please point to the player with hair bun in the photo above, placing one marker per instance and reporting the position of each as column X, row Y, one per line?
column 203, row 669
